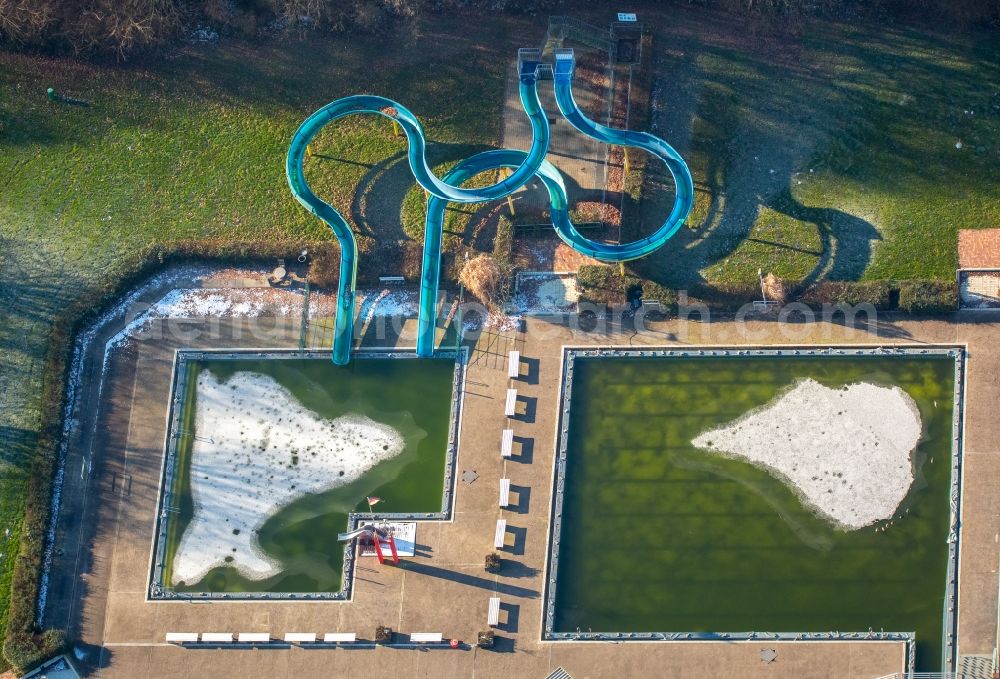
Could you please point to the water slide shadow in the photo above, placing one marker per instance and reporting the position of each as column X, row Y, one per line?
column 749, row 166
column 377, row 206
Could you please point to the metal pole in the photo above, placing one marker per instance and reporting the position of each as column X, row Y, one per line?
column 458, row 314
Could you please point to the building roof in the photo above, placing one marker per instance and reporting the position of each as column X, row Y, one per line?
column 979, row 248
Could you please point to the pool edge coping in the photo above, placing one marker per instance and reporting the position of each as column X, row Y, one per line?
column 155, row 592
column 957, row 351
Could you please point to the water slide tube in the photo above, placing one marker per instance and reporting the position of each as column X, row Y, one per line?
column 558, row 201
column 524, row 164
column 684, row 192
column 307, row 131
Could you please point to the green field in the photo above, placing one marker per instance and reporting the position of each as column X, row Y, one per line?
column 189, row 144
column 831, row 156
column 659, row 536
column 411, row 396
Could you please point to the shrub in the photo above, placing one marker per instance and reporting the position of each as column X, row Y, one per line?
column 602, row 285
column 481, row 276
column 503, row 246
column 324, row 267
column 928, row 297
column 383, row 634
column 854, row 293
column 412, row 259
column 26, row 651
column 774, row 288
column 493, row 562
column 485, row 639
column 654, row 292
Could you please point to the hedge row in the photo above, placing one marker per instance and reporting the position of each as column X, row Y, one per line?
column 928, row 297
column 600, row 284
column 24, row 645
column 876, row 293
column 503, row 245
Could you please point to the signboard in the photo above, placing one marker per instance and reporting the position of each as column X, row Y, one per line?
column 627, row 16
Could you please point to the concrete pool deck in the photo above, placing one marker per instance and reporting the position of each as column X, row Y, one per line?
column 112, row 483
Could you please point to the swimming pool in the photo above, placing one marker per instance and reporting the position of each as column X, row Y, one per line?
column 655, row 538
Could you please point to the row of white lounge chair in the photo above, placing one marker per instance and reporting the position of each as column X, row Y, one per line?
column 290, row 638
column 506, row 446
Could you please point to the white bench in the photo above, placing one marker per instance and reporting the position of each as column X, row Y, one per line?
column 300, row 637
column 182, row 637
column 493, row 614
column 216, row 637
column 391, row 279
column 339, row 637
column 511, row 403
column 425, row 637
column 254, row 637
column 506, row 442
column 501, row 534
column 504, row 492
column 514, row 365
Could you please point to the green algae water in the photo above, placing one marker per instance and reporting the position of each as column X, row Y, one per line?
column 412, row 396
column 659, row 536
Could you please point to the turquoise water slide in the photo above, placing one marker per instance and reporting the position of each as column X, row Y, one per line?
column 525, row 165
column 335, row 110
column 684, row 185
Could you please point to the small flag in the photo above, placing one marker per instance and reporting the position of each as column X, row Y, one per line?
column 373, row 499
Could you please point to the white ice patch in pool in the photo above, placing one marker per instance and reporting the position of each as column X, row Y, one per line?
column 846, row 451
column 257, row 450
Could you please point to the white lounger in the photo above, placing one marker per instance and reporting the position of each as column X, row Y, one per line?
column 339, row 637
column 506, row 442
column 511, row 403
column 504, row 492
column 493, row 614
column 182, row 637
column 216, row 637
column 501, row 534
column 254, row 637
column 425, row 637
column 514, row 365
column 300, row 637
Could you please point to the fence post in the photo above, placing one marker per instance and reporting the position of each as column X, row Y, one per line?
column 304, row 325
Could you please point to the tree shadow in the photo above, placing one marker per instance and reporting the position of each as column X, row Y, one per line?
column 90, row 659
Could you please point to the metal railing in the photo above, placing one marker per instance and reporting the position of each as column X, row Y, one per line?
column 569, row 27
column 926, row 675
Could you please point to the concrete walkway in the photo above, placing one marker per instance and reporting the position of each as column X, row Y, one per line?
column 445, row 589
column 580, row 159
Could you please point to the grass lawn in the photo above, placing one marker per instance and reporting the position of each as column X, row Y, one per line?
column 830, row 156
column 191, row 144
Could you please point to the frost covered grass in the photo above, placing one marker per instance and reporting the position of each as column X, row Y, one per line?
column 846, row 451
column 191, row 147
column 546, row 294
column 256, row 449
